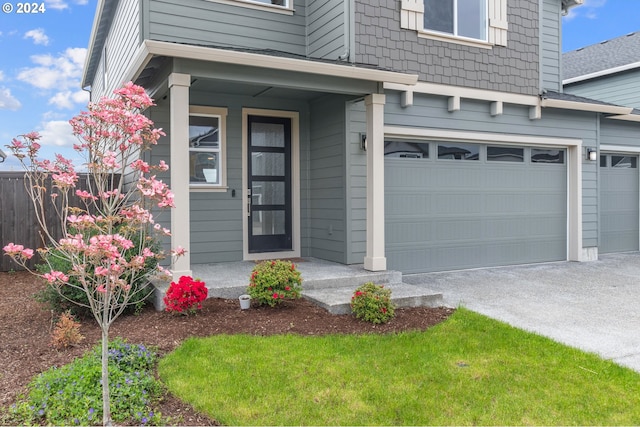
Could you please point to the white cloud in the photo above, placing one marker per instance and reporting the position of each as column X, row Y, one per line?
column 1, row 75
column 38, row 36
column 61, row 72
column 62, row 4
column 58, row 133
column 57, row 4
column 588, row 9
column 69, row 99
column 8, row 101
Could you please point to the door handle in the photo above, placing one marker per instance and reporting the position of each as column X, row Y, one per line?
column 248, row 202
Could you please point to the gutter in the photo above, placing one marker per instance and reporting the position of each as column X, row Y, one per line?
column 582, row 106
column 150, row 48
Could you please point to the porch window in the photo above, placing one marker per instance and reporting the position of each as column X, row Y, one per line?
column 207, row 148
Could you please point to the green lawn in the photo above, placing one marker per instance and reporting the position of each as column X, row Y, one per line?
column 467, row 370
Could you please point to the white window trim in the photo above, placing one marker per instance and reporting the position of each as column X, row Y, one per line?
column 573, row 160
column 221, row 114
column 249, row 4
column 412, row 18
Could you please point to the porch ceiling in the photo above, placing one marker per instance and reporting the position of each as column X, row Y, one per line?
column 251, row 90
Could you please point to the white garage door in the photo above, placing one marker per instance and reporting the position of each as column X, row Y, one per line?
column 455, row 205
column 619, row 203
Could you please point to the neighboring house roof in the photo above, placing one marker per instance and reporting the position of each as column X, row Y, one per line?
column 607, row 57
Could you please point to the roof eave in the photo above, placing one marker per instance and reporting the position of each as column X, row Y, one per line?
column 584, row 106
column 152, row 48
column 602, row 73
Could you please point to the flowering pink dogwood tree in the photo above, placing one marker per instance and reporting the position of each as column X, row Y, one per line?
column 106, row 239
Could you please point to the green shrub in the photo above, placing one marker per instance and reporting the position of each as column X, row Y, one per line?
column 274, row 281
column 372, row 303
column 72, row 394
column 69, row 298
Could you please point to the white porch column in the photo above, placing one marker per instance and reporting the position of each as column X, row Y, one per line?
column 375, row 259
column 179, row 169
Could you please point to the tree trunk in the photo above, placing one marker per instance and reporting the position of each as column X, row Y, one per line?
column 106, row 401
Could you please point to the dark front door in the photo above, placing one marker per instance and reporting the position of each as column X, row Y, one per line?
column 269, row 181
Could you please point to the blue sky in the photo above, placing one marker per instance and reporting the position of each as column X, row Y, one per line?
column 42, row 56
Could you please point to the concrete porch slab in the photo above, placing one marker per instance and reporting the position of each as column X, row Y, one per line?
column 328, row 284
column 337, row 300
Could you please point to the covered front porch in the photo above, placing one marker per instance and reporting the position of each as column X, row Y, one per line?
column 333, row 208
column 328, row 284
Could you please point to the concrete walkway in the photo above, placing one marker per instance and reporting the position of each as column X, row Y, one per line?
column 594, row 306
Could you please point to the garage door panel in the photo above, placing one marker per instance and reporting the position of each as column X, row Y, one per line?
column 473, row 213
column 619, row 208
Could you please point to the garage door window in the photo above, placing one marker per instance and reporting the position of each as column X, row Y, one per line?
column 406, row 149
column 505, row 154
column 603, row 161
column 544, row 155
column 624, row 162
column 458, row 151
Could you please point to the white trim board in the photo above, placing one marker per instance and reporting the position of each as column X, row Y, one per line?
column 574, row 168
column 295, row 184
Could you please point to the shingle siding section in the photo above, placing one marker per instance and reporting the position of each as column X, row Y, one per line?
column 381, row 42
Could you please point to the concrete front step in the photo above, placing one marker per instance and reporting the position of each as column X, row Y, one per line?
column 337, row 300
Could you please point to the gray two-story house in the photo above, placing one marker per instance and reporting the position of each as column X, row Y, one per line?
column 414, row 135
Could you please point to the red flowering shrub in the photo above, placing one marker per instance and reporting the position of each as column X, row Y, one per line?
column 273, row 281
column 372, row 303
column 185, row 296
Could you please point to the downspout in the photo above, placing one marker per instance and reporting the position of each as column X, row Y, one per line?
column 348, row 8
column 540, row 48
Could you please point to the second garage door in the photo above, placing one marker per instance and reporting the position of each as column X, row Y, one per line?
column 619, row 203
column 455, row 205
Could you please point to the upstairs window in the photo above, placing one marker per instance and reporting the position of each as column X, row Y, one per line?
column 462, row 18
column 481, row 23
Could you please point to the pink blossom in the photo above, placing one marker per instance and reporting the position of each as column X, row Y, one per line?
column 13, row 249
column 163, row 166
column 101, row 289
column 179, row 251
column 55, row 276
column 140, row 165
column 16, row 144
column 101, row 271
column 83, row 194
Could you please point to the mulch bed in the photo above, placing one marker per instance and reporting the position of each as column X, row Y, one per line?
column 25, row 328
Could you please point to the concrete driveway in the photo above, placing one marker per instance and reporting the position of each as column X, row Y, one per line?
column 594, row 306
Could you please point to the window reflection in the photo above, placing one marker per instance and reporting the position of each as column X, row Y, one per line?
column 459, row 151
column 624, row 162
column 406, row 149
column 547, row 155
column 505, row 154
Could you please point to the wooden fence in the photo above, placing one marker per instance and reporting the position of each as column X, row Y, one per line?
column 18, row 223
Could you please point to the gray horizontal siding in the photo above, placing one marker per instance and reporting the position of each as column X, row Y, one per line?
column 356, row 184
column 326, row 29
column 216, row 219
column 209, row 23
column 550, row 65
column 121, row 44
column 621, row 89
column 327, row 180
column 616, row 132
